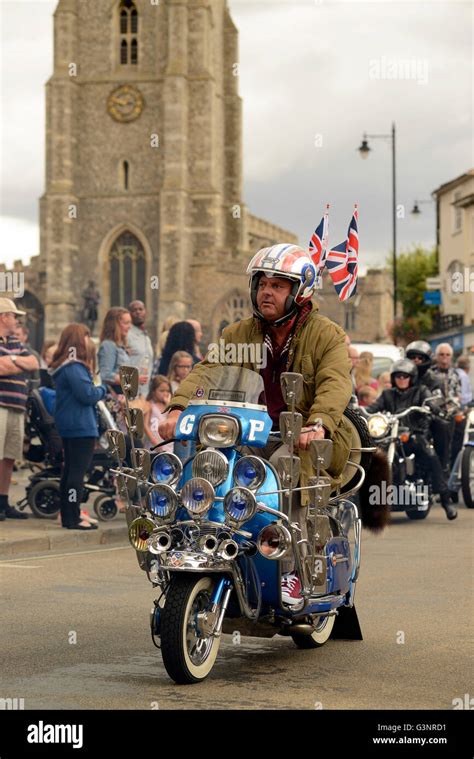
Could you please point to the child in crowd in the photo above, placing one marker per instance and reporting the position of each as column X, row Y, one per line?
column 158, row 398
column 181, row 364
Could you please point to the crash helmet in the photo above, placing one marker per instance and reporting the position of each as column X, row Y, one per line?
column 404, row 366
column 290, row 262
column 420, row 348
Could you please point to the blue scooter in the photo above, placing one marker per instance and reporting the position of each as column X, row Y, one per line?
column 211, row 534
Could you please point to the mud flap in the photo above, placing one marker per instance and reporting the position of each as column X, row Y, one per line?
column 346, row 626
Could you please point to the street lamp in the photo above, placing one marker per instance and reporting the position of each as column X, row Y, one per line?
column 415, row 211
column 364, row 151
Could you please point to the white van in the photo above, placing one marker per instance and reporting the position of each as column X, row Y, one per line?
column 384, row 355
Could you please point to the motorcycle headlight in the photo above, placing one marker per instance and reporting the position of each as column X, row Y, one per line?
column 162, row 501
column 166, row 469
column 249, row 472
column 218, row 431
column 274, row 541
column 377, row 426
column 197, row 496
column 240, row 504
column 210, row 465
column 139, row 532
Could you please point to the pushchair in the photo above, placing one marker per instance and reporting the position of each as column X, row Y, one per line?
column 44, row 454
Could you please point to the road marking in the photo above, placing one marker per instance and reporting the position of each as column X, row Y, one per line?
column 60, row 555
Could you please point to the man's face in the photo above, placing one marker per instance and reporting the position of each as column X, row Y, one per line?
column 138, row 312
column 8, row 323
column 354, row 356
column 271, row 296
column 417, row 358
column 197, row 329
column 402, row 381
column 443, row 358
column 21, row 334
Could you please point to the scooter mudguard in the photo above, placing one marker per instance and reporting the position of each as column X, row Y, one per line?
column 346, row 626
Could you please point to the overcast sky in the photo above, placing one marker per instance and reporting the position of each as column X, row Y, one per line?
column 315, row 75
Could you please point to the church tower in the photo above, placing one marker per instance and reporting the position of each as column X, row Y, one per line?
column 144, row 163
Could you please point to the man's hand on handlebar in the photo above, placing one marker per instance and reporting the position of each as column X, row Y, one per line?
column 167, row 428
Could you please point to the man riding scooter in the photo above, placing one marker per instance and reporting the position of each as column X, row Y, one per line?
column 296, row 338
column 406, row 392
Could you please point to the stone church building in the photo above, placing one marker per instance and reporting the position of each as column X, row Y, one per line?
column 144, row 165
column 143, row 187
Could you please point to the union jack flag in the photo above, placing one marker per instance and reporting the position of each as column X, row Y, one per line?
column 342, row 261
column 319, row 242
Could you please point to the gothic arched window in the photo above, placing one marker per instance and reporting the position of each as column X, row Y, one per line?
column 127, row 270
column 128, row 32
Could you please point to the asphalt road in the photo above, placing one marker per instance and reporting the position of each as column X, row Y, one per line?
column 414, row 601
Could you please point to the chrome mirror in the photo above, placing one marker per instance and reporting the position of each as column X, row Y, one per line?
column 321, row 453
column 129, row 381
column 291, row 387
column 320, row 491
column 117, row 445
column 143, row 461
column 127, row 485
column 137, row 425
column 290, row 427
column 288, row 471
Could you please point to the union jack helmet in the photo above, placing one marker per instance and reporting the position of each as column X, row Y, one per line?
column 290, row 262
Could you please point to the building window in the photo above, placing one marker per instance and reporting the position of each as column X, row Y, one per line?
column 128, row 17
column 350, row 319
column 125, row 174
column 457, row 214
column 127, row 270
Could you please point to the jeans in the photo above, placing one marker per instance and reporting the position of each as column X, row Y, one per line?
column 78, row 452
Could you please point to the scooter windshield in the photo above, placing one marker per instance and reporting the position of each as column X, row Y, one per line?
column 228, row 383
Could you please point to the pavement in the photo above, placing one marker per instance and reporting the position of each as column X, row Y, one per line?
column 24, row 537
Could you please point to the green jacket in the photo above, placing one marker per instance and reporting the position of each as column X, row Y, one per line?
column 317, row 351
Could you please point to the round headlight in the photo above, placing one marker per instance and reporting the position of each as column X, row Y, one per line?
column 166, row 469
column 197, row 496
column 218, row 431
column 274, row 541
column 249, row 472
column 162, row 501
column 377, row 426
column 139, row 532
column 211, row 465
column 240, row 504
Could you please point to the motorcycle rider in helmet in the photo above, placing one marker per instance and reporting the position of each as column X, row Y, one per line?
column 419, row 351
column 404, row 393
column 282, row 280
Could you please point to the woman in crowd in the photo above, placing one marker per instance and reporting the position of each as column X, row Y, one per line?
column 384, row 382
column 181, row 337
column 113, row 346
column 49, row 349
column 158, row 398
column 363, row 372
column 168, row 323
column 75, row 416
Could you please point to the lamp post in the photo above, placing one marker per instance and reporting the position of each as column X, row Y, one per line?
column 364, row 151
column 415, row 211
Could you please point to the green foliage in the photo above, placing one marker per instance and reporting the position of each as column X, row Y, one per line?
column 413, row 267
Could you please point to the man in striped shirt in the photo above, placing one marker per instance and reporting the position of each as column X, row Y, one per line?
column 15, row 360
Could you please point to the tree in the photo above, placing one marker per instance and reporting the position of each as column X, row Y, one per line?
column 413, row 267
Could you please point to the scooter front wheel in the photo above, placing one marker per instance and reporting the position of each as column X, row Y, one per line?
column 188, row 653
column 467, row 476
column 322, row 633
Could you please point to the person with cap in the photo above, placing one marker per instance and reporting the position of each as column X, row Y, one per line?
column 299, row 339
column 15, row 361
column 405, row 393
